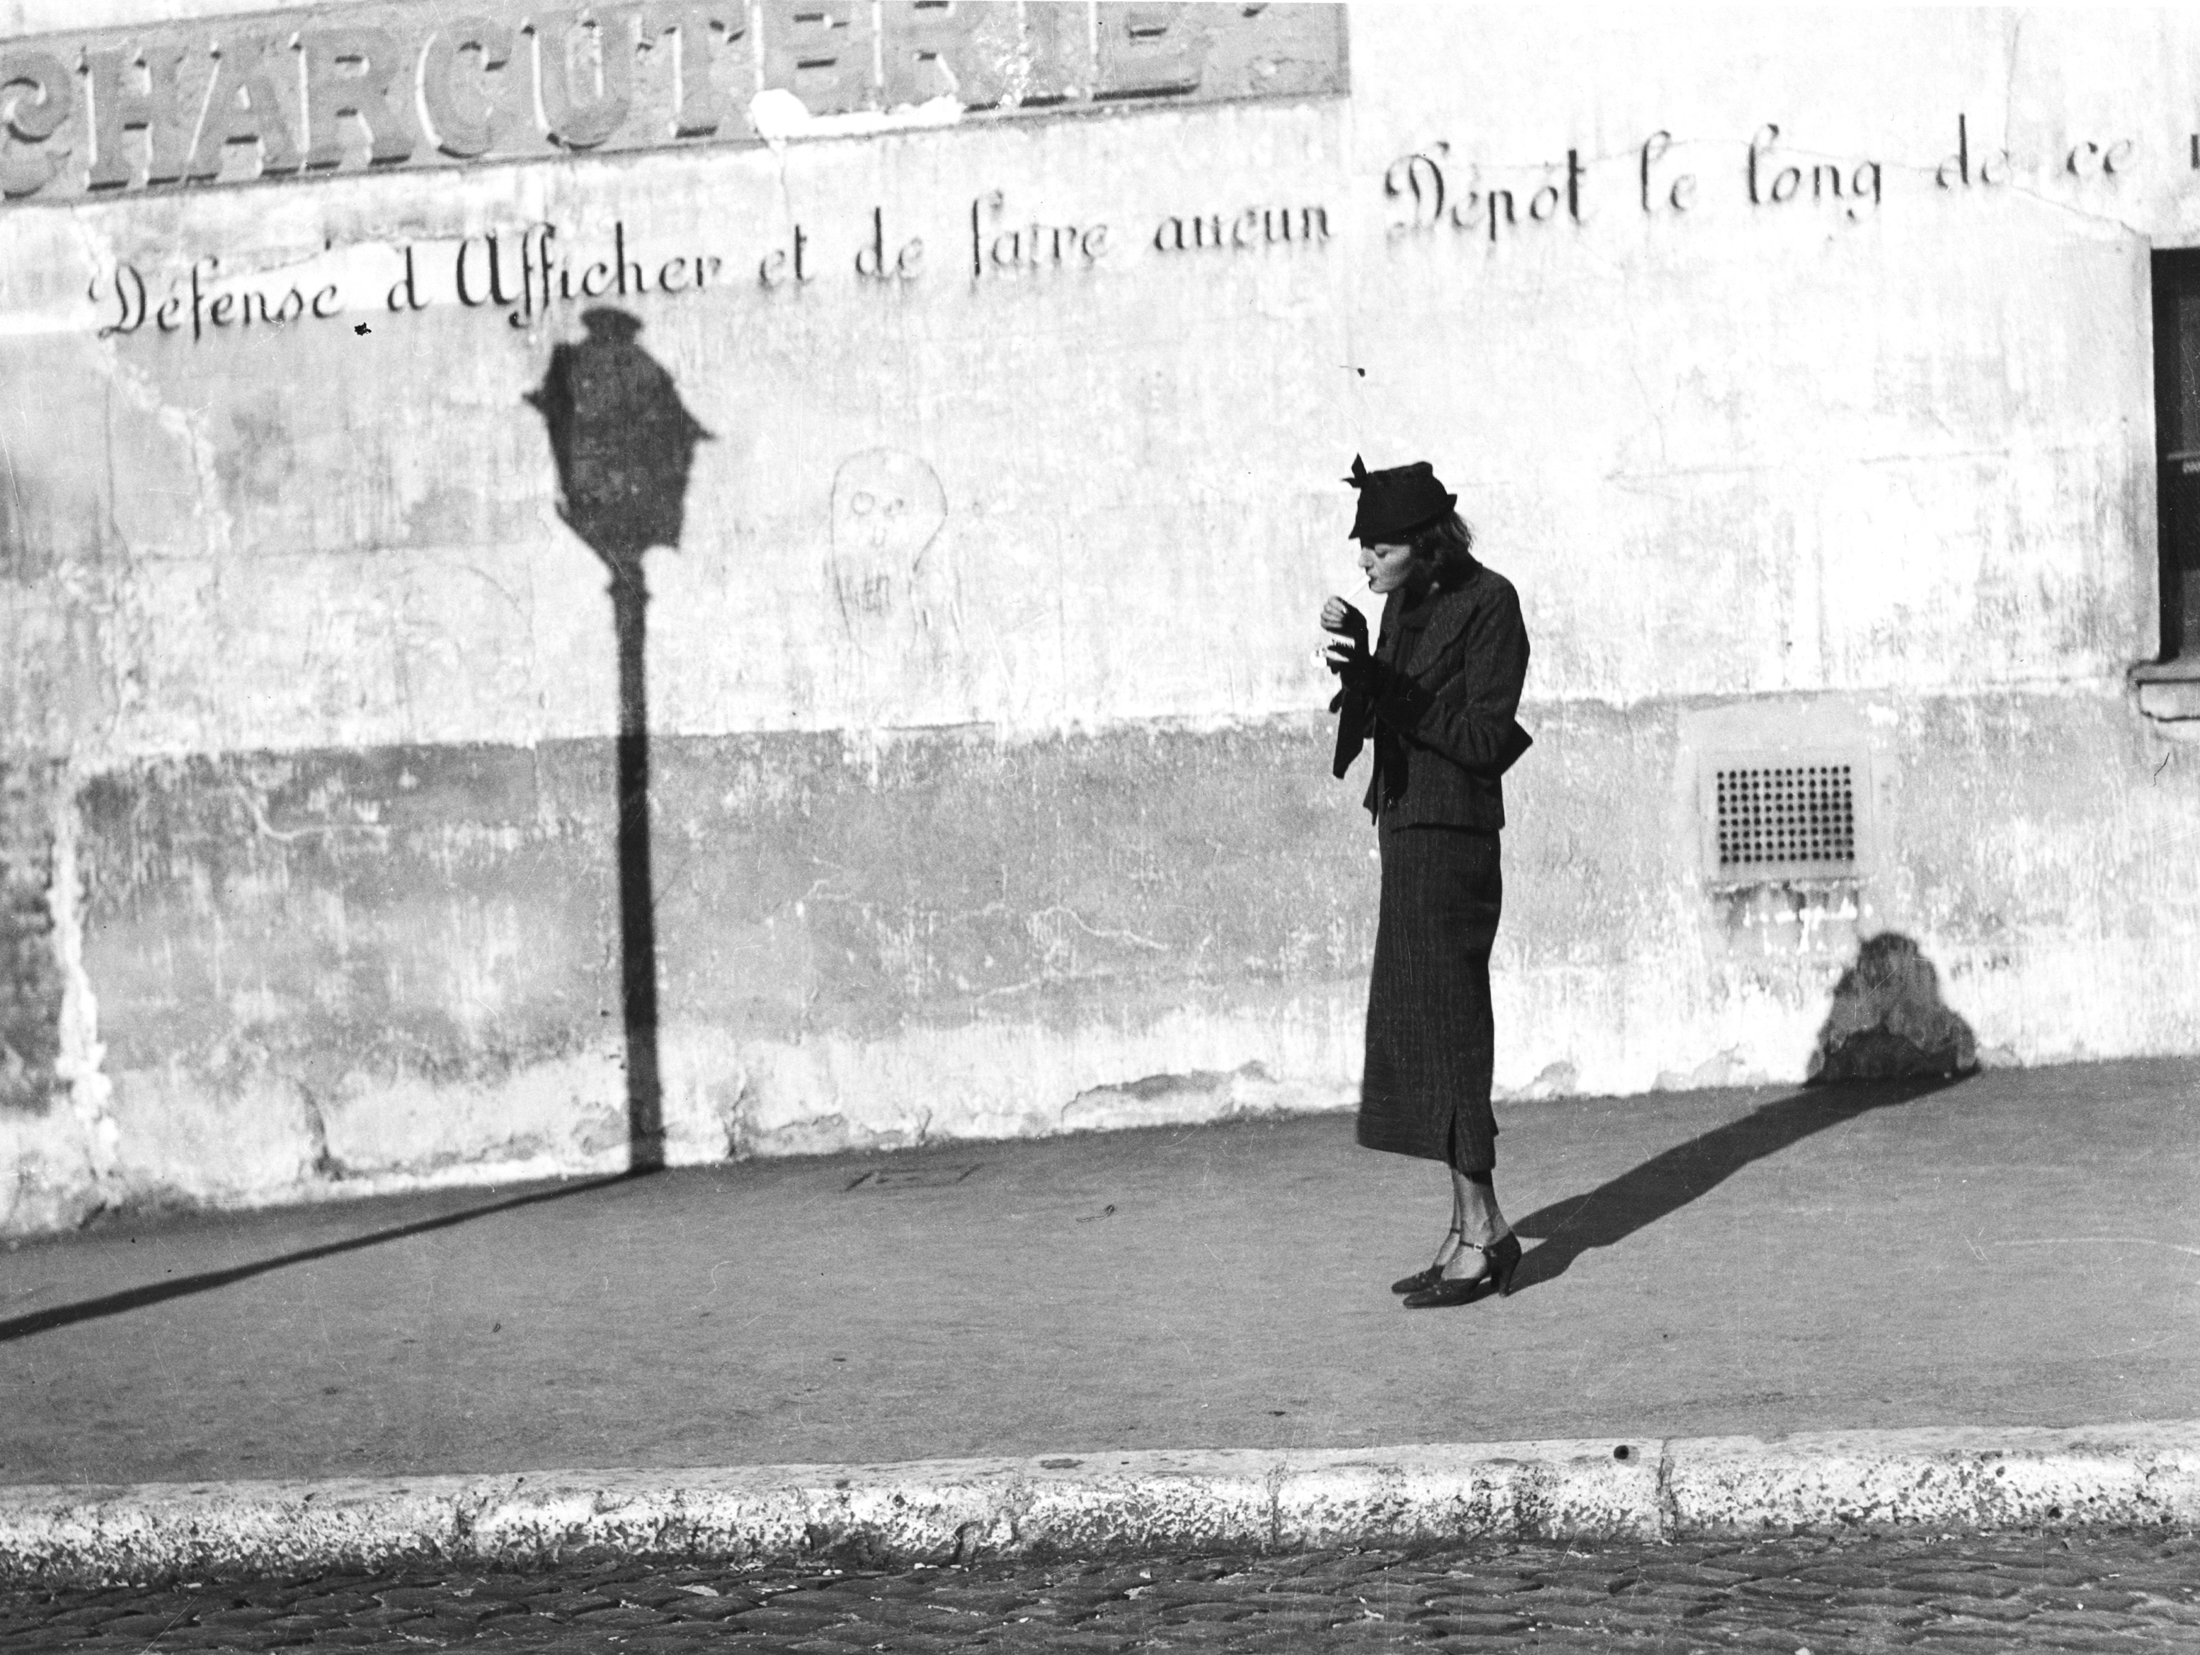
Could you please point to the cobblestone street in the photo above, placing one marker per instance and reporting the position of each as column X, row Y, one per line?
column 1993, row 1592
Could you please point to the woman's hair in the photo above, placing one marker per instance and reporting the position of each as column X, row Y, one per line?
column 1448, row 544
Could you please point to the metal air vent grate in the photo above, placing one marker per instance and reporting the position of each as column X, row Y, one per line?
column 1786, row 815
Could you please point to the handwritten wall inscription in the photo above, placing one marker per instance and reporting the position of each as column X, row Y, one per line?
column 894, row 582
column 527, row 272
column 888, row 508
column 423, row 83
column 1429, row 189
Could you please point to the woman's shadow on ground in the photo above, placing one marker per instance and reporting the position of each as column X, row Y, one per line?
column 1888, row 1039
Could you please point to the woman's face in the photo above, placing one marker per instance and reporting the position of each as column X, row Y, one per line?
column 1390, row 567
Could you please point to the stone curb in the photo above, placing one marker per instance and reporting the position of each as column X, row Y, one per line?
column 1080, row 1505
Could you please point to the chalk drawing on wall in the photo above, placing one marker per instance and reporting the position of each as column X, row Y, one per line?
column 892, row 583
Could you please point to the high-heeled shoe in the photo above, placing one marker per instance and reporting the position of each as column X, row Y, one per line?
column 1422, row 1280
column 1502, row 1257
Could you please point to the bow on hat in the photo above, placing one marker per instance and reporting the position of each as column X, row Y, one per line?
column 1397, row 503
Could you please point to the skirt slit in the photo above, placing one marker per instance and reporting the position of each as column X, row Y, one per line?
column 1431, row 1033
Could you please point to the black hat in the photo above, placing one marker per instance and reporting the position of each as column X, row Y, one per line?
column 1397, row 503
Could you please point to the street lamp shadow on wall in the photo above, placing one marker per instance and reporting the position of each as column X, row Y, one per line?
column 624, row 443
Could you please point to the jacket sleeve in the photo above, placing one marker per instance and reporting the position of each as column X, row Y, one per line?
column 1467, row 711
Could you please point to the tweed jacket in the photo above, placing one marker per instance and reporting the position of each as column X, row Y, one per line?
column 1443, row 721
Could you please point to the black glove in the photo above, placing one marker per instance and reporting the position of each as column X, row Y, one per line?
column 1358, row 670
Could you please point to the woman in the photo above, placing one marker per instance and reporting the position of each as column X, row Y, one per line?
column 1436, row 698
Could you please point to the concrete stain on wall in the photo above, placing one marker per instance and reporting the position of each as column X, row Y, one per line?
column 31, row 984
column 403, row 963
column 14, row 530
column 257, row 461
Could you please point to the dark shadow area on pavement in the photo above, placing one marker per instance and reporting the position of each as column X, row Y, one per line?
column 624, row 443
column 1888, row 1038
column 1667, row 1182
column 138, row 1298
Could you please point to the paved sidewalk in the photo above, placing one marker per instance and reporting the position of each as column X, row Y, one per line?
column 2017, row 1249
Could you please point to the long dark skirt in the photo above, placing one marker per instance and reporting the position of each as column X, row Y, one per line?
column 1431, row 1038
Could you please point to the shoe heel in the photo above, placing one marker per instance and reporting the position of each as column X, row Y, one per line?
column 1505, row 1266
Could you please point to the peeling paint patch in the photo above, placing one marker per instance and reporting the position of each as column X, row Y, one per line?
column 1727, row 1068
column 1201, row 1095
column 31, row 984
column 1790, row 917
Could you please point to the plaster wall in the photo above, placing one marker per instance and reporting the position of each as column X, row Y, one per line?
column 991, row 777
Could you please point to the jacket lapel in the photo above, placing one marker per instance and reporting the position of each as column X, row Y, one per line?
column 1453, row 611
column 1386, row 626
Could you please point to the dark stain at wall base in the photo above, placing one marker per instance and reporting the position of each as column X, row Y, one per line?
column 1888, row 1021
column 30, row 974
column 454, row 912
